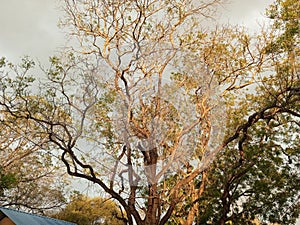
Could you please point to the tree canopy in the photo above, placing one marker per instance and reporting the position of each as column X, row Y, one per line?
column 177, row 122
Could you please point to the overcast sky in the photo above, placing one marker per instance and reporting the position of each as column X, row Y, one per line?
column 29, row 27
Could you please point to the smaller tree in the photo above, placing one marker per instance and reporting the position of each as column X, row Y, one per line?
column 30, row 177
column 84, row 210
column 7, row 181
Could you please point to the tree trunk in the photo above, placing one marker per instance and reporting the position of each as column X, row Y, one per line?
column 152, row 215
column 222, row 221
column 226, row 201
column 195, row 196
column 153, row 206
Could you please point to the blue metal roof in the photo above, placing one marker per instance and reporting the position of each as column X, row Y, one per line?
column 22, row 218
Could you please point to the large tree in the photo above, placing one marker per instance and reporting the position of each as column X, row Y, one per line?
column 139, row 105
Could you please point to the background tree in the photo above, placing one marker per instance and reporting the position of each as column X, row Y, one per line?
column 265, row 184
column 7, row 181
column 260, row 187
column 140, row 110
column 30, row 178
column 84, row 210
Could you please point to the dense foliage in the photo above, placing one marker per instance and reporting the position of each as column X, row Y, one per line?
column 83, row 210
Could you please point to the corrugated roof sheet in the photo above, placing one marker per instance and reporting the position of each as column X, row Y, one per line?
column 22, row 218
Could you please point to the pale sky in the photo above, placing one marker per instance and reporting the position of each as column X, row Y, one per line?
column 29, row 27
column 246, row 12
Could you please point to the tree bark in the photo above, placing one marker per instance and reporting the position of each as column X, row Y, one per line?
column 226, row 201
column 195, row 196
